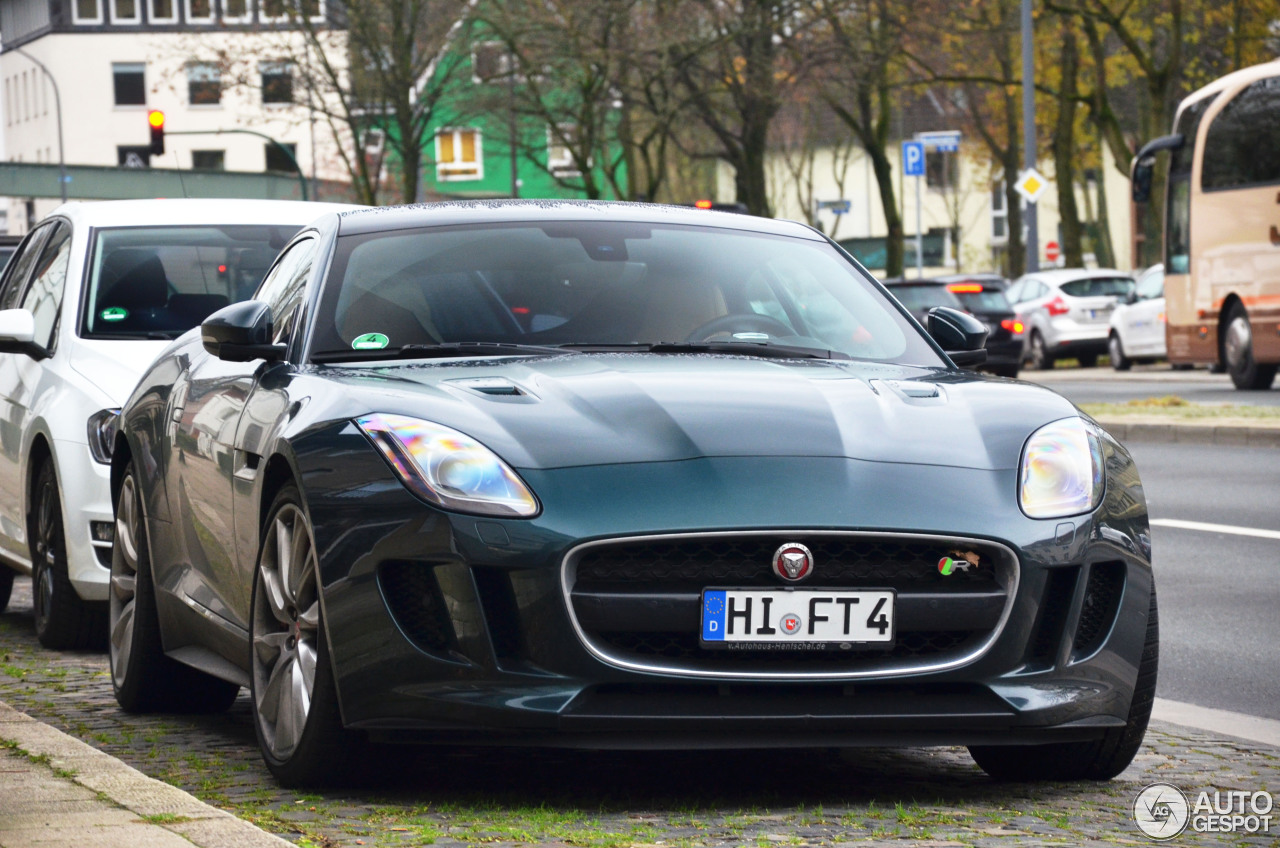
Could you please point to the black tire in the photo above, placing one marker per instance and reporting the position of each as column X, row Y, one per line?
column 1237, row 352
column 143, row 678
column 1041, row 359
column 6, row 586
column 287, row 634
column 1115, row 350
column 63, row 620
column 1101, row 759
column 1089, row 360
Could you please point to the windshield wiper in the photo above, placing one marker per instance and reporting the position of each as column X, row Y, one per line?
column 771, row 350
column 442, row 350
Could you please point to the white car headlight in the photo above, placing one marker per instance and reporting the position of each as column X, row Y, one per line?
column 448, row 468
column 1061, row 472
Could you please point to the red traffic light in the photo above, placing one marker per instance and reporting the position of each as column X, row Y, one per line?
column 155, row 121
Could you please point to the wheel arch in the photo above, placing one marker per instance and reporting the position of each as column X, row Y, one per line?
column 276, row 474
column 121, row 456
column 38, row 453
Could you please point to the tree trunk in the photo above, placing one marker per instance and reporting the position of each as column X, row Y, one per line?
column 1065, row 152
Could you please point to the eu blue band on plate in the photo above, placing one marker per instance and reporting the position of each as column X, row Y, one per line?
column 713, row 607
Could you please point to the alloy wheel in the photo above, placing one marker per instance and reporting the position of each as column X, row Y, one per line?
column 48, row 537
column 286, row 630
column 124, row 580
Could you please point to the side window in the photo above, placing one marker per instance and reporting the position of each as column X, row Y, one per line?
column 284, row 286
column 1014, row 292
column 19, row 268
column 48, row 280
column 1242, row 147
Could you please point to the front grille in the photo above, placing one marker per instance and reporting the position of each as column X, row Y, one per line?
column 747, row 561
column 638, row 601
column 1101, row 602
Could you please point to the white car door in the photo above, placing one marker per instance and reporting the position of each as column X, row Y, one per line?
column 1146, row 317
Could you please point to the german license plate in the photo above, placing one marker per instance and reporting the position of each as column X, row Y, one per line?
column 801, row 618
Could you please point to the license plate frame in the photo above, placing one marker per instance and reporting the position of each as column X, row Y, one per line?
column 827, row 618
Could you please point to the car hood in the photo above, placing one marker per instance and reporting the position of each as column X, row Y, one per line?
column 600, row 409
column 113, row 366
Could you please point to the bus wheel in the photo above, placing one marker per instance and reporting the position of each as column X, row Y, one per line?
column 1237, row 351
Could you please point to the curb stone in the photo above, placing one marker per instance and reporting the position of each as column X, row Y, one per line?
column 119, row 790
column 1152, row 429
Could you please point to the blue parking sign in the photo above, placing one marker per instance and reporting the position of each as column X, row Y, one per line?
column 913, row 158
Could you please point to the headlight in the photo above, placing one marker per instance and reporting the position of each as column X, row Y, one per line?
column 1061, row 470
column 102, row 434
column 447, row 468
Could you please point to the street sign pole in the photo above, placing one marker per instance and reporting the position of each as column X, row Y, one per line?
column 919, row 237
column 913, row 166
column 1029, row 131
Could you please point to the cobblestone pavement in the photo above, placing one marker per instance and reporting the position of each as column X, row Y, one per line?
column 934, row 797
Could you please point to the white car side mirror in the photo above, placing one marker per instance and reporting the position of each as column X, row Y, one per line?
column 17, row 327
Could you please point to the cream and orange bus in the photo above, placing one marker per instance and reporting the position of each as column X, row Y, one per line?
column 1222, row 225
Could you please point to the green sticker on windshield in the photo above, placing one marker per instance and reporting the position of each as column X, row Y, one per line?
column 369, row 341
column 114, row 313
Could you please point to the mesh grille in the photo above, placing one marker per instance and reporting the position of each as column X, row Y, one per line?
column 747, row 561
column 414, row 598
column 1101, row 601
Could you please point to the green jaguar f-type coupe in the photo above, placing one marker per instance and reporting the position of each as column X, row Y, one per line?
column 619, row 475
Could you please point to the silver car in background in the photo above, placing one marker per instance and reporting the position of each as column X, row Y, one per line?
column 1067, row 312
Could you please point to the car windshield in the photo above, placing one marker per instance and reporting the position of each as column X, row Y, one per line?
column 603, row 283
column 159, row 282
column 1098, row 286
column 987, row 300
column 923, row 298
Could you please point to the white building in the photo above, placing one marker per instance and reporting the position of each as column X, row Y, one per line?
column 207, row 64
column 964, row 196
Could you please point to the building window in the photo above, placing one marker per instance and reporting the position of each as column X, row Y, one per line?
column 277, row 161
column 999, row 214
column 560, row 159
column 236, row 12
column 126, row 12
column 458, row 155
column 277, row 82
column 163, row 12
column 209, row 160
column 490, row 60
column 273, row 12
column 199, row 11
column 204, row 85
column 130, row 83
column 941, row 169
column 134, row 157
column 87, row 11
column 313, row 9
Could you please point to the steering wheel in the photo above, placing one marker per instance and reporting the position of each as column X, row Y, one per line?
column 742, row 322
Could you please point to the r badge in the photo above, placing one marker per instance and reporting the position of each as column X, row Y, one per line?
column 793, row 562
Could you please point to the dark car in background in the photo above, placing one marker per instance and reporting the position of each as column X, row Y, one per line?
column 611, row 475
column 981, row 295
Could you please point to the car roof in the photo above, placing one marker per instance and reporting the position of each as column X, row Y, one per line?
column 194, row 211
column 446, row 213
column 1058, row 276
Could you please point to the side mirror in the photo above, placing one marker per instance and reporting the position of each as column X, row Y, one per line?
column 18, row 333
column 1144, row 164
column 241, row 332
column 959, row 334
column 1131, row 298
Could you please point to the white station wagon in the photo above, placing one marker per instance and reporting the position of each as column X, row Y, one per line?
column 92, row 295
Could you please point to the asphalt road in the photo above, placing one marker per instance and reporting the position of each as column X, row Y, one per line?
column 1219, row 625
column 1106, row 385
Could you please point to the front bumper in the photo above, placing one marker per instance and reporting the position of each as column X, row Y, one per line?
column 85, row 487
column 454, row 628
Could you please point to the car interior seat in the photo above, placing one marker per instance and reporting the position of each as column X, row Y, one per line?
column 134, row 280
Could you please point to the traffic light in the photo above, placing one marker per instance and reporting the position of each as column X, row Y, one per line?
column 155, row 121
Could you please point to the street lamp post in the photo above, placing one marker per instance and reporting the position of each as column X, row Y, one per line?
column 1029, row 131
column 57, row 107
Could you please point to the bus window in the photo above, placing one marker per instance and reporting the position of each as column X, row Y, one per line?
column 1242, row 147
column 1177, row 241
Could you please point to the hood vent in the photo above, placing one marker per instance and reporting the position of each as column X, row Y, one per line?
column 914, row 392
column 491, row 386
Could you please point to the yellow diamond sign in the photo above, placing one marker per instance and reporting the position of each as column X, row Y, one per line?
column 1031, row 184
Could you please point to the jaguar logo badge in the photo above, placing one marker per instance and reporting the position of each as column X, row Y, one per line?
column 793, row 562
